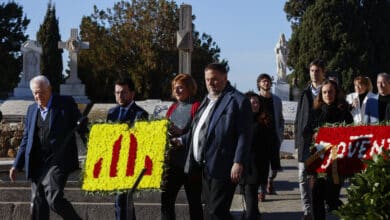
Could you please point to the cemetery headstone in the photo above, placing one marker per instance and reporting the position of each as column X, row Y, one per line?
column 32, row 51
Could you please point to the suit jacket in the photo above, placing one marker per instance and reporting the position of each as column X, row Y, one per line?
column 229, row 135
column 305, row 105
column 63, row 119
column 134, row 113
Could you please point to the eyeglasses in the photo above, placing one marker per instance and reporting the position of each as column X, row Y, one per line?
column 121, row 93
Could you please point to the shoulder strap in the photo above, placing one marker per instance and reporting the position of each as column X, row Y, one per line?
column 194, row 108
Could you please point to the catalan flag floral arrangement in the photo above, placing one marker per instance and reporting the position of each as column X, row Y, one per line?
column 117, row 154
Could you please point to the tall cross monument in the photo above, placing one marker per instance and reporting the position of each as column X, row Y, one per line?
column 73, row 85
column 184, row 38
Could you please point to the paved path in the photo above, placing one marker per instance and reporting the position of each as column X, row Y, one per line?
column 287, row 203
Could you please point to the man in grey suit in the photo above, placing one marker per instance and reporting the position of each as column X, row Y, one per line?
column 272, row 105
column 219, row 141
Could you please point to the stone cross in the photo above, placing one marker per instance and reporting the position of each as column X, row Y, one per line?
column 73, row 45
column 184, row 38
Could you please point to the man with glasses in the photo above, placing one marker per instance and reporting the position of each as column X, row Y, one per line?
column 125, row 112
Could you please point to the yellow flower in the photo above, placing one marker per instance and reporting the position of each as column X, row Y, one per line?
column 116, row 155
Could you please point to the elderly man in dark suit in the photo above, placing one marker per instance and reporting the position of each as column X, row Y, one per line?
column 219, row 141
column 125, row 111
column 44, row 152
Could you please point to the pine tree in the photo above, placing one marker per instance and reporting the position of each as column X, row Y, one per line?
column 12, row 27
column 350, row 35
column 48, row 36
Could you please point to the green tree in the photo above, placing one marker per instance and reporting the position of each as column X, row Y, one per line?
column 347, row 34
column 137, row 39
column 49, row 36
column 12, row 27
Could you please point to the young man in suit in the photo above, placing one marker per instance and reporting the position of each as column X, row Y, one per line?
column 44, row 152
column 219, row 141
column 127, row 112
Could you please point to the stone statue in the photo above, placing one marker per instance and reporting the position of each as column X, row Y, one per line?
column 281, row 51
column 31, row 60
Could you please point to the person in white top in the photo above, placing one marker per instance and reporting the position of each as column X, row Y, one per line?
column 364, row 104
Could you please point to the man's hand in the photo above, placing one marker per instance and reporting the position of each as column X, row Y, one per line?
column 12, row 173
column 175, row 143
column 174, row 131
column 236, row 172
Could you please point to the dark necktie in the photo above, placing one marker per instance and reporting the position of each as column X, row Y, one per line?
column 122, row 114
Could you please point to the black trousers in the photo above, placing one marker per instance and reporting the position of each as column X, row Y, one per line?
column 218, row 195
column 121, row 207
column 325, row 191
column 251, row 202
column 193, row 188
column 47, row 192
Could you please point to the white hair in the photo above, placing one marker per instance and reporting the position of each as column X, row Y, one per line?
column 39, row 80
column 386, row 76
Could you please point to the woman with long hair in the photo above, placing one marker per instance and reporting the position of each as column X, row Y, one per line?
column 328, row 108
column 260, row 156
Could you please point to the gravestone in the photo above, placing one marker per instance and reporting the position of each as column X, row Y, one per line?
column 282, row 89
column 15, row 110
column 155, row 108
column 32, row 51
column 73, row 86
column 289, row 111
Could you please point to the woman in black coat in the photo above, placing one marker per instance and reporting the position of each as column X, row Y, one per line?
column 260, row 156
column 328, row 107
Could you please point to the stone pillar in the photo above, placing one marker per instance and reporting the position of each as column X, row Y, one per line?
column 184, row 38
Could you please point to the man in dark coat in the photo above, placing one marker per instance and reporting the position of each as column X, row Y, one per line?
column 305, row 105
column 219, row 141
column 44, row 153
column 383, row 85
column 126, row 111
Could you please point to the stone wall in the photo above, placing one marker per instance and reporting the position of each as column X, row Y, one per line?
column 10, row 137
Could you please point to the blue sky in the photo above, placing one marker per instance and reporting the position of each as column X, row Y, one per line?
column 246, row 31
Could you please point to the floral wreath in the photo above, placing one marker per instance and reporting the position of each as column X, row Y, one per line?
column 117, row 154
